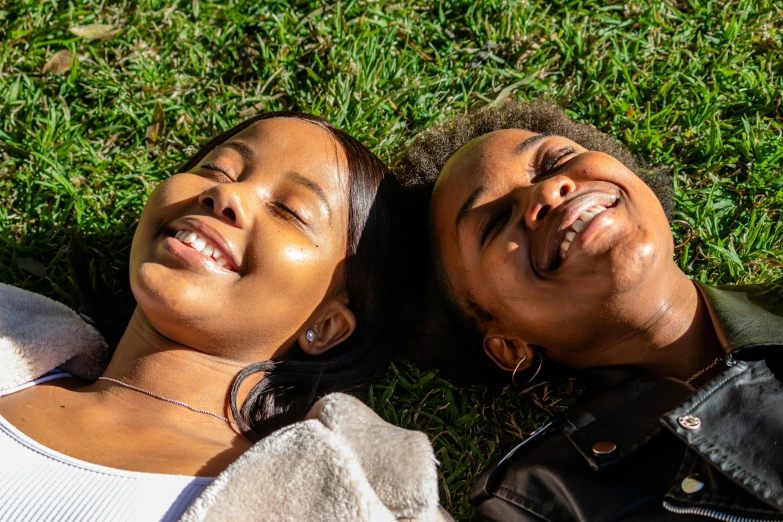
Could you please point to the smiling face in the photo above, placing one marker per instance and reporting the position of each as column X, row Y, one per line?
column 244, row 253
column 551, row 243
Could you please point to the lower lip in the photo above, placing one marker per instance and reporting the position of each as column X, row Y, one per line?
column 192, row 256
column 591, row 230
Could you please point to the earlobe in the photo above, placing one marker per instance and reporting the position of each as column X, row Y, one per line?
column 507, row 353
column 333, row 325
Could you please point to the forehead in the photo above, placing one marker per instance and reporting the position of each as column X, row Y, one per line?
column 479, row 162
column 291, row 145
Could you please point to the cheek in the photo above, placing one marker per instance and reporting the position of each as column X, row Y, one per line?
column 508, row 285
column 170, row 199
column 284, row 263
column 649, row 243
column 296, row 255
column 543, row 311
column 508, row 270
column 288, row 276
column 149, row 223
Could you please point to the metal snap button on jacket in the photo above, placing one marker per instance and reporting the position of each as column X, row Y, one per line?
column 689, row 422
column 691, row 485
column 604, row 447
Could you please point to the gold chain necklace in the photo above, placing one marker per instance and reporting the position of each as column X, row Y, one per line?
column 172, row 401
column 703, row 370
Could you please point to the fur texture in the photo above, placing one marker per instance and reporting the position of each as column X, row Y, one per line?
column 406, row 481
column 38, row 334
column 342, row 464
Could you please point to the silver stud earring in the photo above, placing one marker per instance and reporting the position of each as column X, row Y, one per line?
column 310, row 335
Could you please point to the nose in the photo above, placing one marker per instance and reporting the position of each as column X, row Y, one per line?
column 225, row 203
column 545, row 196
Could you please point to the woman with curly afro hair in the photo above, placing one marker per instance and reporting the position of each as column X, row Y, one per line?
column 551, row 244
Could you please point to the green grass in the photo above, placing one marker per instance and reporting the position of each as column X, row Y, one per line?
column 694, row 84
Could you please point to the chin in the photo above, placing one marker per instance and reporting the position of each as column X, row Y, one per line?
column 637, row 266
column 162, row 296
column 183, row 311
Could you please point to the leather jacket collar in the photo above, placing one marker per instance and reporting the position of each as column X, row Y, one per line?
column 746, row 318
column 629, row 407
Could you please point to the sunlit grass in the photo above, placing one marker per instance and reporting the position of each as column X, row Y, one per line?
column 695, row 85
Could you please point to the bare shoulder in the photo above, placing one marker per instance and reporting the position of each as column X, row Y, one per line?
column 46, row 389
column 28, row 404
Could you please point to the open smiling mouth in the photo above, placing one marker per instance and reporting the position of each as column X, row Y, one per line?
column 581, row 220
column 198, row 243
column 201, row 244
column 580, row 225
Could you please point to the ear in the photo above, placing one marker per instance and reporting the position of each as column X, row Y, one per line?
column 507, row 351
column 332, row 324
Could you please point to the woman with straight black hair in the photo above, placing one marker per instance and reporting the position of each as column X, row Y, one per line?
column 266, row 275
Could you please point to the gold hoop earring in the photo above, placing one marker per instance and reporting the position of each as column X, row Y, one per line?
column 514, row 373
column 690, row 232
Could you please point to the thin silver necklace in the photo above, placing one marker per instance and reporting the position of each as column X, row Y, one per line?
column 172, row 401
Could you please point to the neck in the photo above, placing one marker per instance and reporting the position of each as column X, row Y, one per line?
column 146, row 359
column 675, row 338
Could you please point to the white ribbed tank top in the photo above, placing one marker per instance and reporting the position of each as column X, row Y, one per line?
column 40, row 484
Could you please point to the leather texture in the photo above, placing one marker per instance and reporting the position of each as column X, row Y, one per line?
column 736, row 455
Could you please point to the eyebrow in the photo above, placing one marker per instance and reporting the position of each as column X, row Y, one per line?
column 315, row 187
column 242, row 148
column 468, row 205
column 525, row 145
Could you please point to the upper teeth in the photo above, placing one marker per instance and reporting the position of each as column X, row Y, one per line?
column 202, row 245
column 578, row 226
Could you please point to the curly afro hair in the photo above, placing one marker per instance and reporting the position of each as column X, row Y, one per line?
column 452, row 326
column 420, row 164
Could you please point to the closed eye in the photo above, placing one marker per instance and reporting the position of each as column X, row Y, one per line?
column 287, row 214
column 220, row 174
column 553, row 160
column 496, row 221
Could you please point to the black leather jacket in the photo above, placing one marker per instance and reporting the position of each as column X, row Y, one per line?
column 639, row 447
